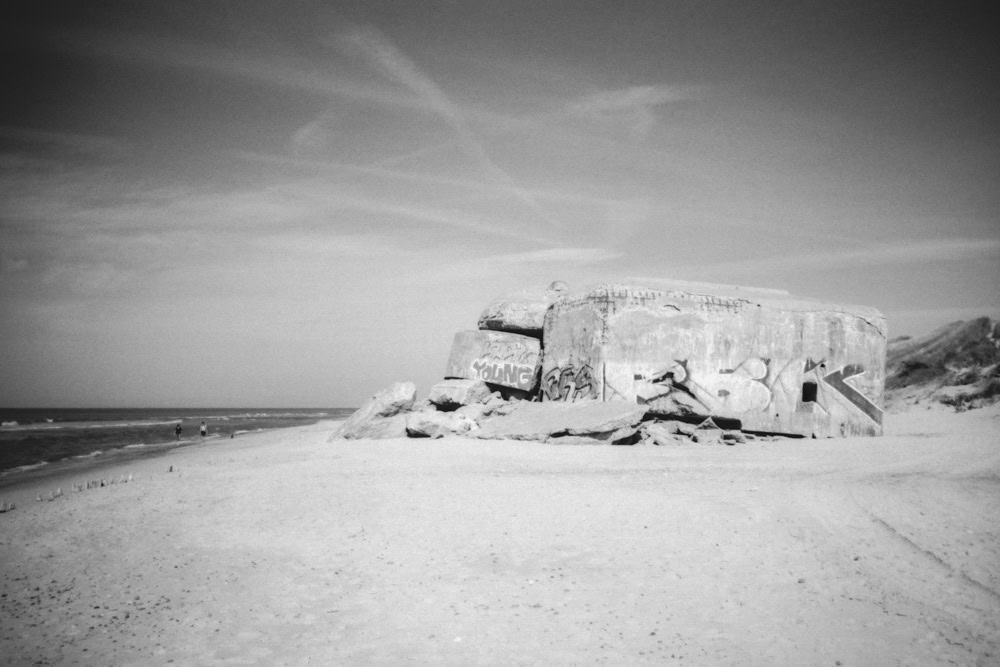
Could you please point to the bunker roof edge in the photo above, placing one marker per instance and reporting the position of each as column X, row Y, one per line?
column 772, row 298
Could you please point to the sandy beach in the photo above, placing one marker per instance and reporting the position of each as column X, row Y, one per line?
column 283, row 548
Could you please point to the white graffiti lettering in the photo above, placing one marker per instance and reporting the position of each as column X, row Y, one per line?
column 508, row 374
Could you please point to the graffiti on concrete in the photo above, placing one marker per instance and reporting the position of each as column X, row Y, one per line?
column 508, row 374
column 753, row 386
column 743, row 388
column 569, row 383
column 740, row 389
column 495, row 357
column 510, row 350
column 837, row 381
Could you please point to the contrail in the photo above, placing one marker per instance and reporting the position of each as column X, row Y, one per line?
column 396, row 65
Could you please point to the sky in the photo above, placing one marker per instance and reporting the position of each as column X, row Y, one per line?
column 298, row 203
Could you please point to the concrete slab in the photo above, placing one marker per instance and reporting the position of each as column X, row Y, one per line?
column 593, row 420
column 495, row 357
column 377, row 417
column 522, row 312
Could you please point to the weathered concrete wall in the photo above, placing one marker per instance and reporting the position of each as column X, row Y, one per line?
column 496, row 357
column 774, row 363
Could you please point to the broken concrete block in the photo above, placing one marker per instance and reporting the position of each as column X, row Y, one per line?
column 679, row 427
column 495, row 357
column 540, row 421
column 772, row 362
column 626, row 435
column 598, row 439
column 397, row 397
column 474, row 411
column 522, row 312
column 733, row 437
column 376, row 428
column 433, row 424
column 647, row 391
column 662, row 433
column 389, row 402
column 709, row 433
column 453, row 394
column 494, row 403
column 501, row 407
column 707, row 437
column 674, row 403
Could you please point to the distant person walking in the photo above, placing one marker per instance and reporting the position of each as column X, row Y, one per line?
column 177, row 430
column 204, row 429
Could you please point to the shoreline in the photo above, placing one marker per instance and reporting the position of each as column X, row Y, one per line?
column 16, row 484
column 83, row 463
column 40, row 438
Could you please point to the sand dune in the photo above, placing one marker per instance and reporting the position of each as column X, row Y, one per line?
column 282, row 548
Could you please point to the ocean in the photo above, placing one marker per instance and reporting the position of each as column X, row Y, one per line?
column 31, row 438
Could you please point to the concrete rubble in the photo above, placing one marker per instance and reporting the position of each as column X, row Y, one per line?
column 450, row 395
column 433, row 424
column 675, row 363
column 382, row 416
column 593, row 421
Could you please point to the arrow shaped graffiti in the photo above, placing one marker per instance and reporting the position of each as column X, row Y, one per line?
column 837, row 381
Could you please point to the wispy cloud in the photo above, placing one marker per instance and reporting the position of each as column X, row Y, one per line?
column 401, row 212
column 414, row 89
column 81, row 202
column 370, row 247
column 12, row 264
column 531, row 267
column 378, row 50
column 315, row 136
column 554, row 256
column 936, row 250
column 271, row 69
column 618, row 208
column 416, row 154
column 76, row 142
column 76, row 232
column 633, row 107
column 392, row 63
column 84, row 277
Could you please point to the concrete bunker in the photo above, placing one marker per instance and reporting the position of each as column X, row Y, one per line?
column 755, row 359
column 624, row 364
column 770, row 362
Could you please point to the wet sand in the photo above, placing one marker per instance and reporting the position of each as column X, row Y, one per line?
column 283, row 548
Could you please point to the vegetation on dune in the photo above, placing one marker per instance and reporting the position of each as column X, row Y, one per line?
column 957, row 365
